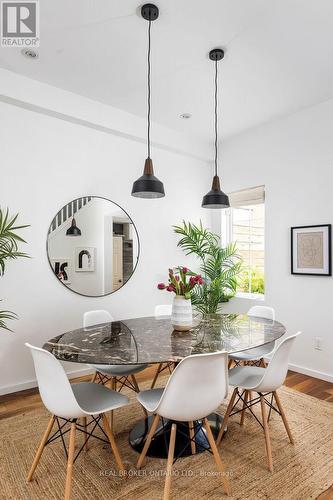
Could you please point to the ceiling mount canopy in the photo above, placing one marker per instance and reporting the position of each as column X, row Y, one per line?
column 148, row 186
column 216, row 198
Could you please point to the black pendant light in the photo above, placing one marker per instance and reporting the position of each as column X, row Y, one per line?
column 216, row 198
column 148, row 186
column 73, row 230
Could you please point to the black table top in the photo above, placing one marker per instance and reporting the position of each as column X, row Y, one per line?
column 152, row 340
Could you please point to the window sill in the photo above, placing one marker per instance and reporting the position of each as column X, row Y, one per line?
column 250, row 296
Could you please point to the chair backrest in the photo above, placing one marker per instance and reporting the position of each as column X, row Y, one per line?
column 262, row 312
column 196, row 387
column 163, row 310
column 276, row 372
column 54, row 387
column 91, row 318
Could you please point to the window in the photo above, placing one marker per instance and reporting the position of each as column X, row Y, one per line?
column 244, row 224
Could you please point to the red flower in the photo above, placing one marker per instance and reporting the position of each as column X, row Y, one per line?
column 161, row 286
column 185, row 270
column 177, row 277
column 170, row 288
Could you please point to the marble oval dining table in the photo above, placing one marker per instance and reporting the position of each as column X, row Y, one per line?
column 152, row 340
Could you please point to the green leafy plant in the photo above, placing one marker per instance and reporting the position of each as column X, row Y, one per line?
column 257, row 281
column 220, row 267
column 9, row 250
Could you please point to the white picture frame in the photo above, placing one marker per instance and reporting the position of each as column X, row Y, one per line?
column 85, row 259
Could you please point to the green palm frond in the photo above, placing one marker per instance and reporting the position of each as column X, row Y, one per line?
column 9, row 250
column 220, row 267
column 9, row 239
column 196, row 239
column 5, row 316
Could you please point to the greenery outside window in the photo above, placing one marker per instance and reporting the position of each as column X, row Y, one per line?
column 244, row 224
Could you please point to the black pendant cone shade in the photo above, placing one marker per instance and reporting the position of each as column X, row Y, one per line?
column 216, row 198
column 73, row 230
column 148, row 186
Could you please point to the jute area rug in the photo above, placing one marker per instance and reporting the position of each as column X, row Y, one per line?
column 301, row 471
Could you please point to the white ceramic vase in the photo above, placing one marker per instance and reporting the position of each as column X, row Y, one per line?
column 181, row 317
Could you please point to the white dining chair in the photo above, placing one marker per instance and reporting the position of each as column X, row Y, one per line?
column 160, row 311
column 67, row 403
column 256, row 355
column 118, row 375
column 196, row 387
column 265, row 382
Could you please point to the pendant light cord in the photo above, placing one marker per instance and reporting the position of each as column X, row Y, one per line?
column 148, row 97
column 216, row 131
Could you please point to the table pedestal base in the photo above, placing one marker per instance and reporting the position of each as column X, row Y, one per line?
column 160, row 442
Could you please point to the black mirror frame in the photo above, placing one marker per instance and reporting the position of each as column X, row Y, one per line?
column 137, row 260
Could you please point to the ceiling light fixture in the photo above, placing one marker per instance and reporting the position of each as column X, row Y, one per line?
column 73, row 230
column 148, row 186
column 216, row 198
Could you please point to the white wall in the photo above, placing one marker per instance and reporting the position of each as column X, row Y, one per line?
column 46, row 162
column 293, row 157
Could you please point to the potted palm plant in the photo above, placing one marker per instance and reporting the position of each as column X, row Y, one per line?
column 220, row 267
column 9, row 250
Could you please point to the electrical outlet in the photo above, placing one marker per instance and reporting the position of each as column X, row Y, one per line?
column 318, row 343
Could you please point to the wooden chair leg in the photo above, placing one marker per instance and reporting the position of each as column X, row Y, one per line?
column 246, row 397
column 168, row 477
column 93, row 378
column 41, row 448
column 226, row 417
column 266, row 431
column 70, row 460
column 113, row 444
column 283, row 415
column 191, row 429
column 218, row 461
column 156, row 375
column 148, row 440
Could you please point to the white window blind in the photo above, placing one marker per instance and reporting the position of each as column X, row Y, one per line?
column 251, row 196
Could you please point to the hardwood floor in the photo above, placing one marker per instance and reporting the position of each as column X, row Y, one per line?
column 29, row 400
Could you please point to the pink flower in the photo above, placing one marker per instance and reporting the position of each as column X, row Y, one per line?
column 161, row 286
column 170, row 288
column 177, row 277
column 185, row 270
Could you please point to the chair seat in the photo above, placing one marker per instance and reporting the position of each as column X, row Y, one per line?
column 253, row 354
column 119, row 370
column 96, row 398
column 246, row 377
column 150, row 399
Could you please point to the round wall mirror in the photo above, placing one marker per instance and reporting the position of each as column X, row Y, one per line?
column 93, row 246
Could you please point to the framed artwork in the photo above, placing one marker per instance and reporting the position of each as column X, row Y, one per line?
column 62, row 268
column 311, row 250
column 85, row 259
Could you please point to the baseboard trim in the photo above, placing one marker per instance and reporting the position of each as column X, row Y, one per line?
column 30, row 384
column 312, row 373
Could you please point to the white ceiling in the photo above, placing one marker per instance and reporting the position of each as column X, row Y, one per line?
column 279, row 57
